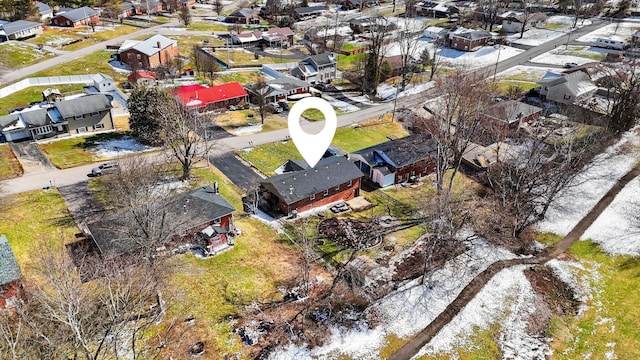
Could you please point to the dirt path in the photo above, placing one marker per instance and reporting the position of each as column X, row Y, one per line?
column 411, row 348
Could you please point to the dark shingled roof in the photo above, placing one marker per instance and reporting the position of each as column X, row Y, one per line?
column 17, row 26
column 9, row 268
column 297, row 185
column 322, row 59
column 243, row 12
column 83, row 105
column 78, row 14
column 511, row 111
column 401, row 152
column 113, row 234
column 310, row 9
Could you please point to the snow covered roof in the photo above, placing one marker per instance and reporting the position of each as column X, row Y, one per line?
column 152, row 45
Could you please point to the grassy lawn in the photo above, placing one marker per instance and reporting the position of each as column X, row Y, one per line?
column 206, row 26
column 504, row 86
column 241, row 57
column 243, row 77
column 55, row 37
column 555, row 26
column 348, row 62
column 610, row 322
column 32, row 218
column 75, row 151
column 316, row 115
column 34, row 93
column 16, row 55
column 355, row 138
column 206, row 176
column 187, row 42
column 92, row 63
column 268, row 157
column 232, row 121
column 9, row 166
column 581, row 51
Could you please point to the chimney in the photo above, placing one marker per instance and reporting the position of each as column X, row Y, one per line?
column 158, row 43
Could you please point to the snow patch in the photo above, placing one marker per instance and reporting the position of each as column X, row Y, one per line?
column 118, row 147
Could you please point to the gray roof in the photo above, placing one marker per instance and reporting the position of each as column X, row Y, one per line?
column 297, row 185
column 288, row 83
column 310, row 9
column 83, row 105
column 43, row 8
column 9, row 268
column 322, row 59
column 35, row 118
column 243, row 12
column 149, row 46
column 113, row 233
column 474, row 35
column 400, row 152
column 9, row 120
column 78, row 14
column 17, row 26
column 511, row 111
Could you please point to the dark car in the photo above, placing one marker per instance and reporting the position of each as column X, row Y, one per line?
column 284, row 105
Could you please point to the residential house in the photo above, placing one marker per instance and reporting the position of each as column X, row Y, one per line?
column 201, row 217
column 80, row 115
column 368, row 24
column 51, row 95
column 76, row 17
column 507, row 116
column 333, row 179
column 128, row 9
column 469, row 40
column 435, row 9
column 150, row 6
column 358, row 4
column 247, row 38
column 243, row 16
column 10, row 276
column 279, row 89
column 397, row 161
column 149, row 53
column 514, row 21
column 44, row 10
column 480, row 158
column 280, row 37
column 566, row 88
column 19, row 30
column 395, row 64
column 141, row 77
column 435, row 33
column 310, row 12
column 319, row 68
column 204, row 98
column 324, row 35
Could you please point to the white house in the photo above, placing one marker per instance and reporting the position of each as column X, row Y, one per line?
column 435, row 32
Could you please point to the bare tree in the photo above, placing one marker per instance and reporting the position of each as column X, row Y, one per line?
column 375, row 54
column 524, row 18
column 622, row 82
column 488, row 10
column 218, row 6
column 408, row 42
column 185, row 15
column 260, row 92
column 204, row 63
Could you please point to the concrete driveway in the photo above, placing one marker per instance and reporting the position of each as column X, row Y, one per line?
column 239, row 173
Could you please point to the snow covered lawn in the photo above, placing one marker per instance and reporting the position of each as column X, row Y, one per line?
column 576, row 54
column 614, row 229
column 484, row 56
column 113, row 148
column 615, row 31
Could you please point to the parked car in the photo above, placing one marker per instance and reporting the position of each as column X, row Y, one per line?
column 274, row 108
column 284, row 105
column 103, row 168
column 570, row 65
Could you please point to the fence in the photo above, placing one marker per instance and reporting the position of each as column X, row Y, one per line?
column 45, row 81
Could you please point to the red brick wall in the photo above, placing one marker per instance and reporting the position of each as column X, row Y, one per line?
column 461, row 43
column 421, row 168
column 8, row 291
column 344, row 192
column 148, row 62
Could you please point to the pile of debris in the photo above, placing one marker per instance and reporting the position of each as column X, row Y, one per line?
column 350, row 234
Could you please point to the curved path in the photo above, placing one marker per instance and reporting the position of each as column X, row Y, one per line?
column 411, row 348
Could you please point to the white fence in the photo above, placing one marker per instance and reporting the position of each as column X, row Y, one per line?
column 46, row 81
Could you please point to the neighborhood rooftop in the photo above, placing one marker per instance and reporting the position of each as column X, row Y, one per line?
column 401, row 152
column 9, row 268
column 17, row 26
column 148, row 46
column 78, row 14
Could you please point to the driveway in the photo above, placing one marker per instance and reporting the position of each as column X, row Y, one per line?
column 239, row 173
column 30, row 157
column 81, row 203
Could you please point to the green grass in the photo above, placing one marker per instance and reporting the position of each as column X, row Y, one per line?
column 240, row 57
column 615, row 282
column 187, row 42
column 580, row 51
column 504, row 86
column 229, row 190
column 76, row 151
column 206, row 26
column 31, row 218
column 268, row 157
column 55, row 37
column 316, row 115
column 17, row 55
column 355, row 138
column 9, row 165
column 348, row 62
column 555, row 26
column 243, row 77
column 24, row 97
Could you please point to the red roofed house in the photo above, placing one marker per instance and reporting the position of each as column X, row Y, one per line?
column 141, row 77
column 206, row 98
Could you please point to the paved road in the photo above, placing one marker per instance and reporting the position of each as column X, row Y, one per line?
column 239, row 173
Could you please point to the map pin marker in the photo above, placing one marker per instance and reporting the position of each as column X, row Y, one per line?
column 312, row 146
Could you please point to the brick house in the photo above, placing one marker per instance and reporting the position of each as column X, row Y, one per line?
column 149, row 53
column 141, row 77
column 201, row 217
column 397, row 161
column 469, row 40
column 507, row 116
column 278, row 37
column 85, row 114
column 321, row 68
column 10, row 276
column 280, row 89
column 204, row 98
column 243, row 16
column 333, row 179
column 76, row 17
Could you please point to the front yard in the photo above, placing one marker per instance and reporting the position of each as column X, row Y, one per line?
column 14, row 55
column 9, row 165
column 241, row 122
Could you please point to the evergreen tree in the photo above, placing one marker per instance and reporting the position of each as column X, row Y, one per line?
column 145, row 106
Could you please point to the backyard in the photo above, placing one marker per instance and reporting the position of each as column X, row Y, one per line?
column 26, row 96
column 14, row 54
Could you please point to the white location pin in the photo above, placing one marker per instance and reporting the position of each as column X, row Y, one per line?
column 312, row 146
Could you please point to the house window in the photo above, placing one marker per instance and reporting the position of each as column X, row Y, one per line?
column 138, row 56
column 98, row 126
column 129, row 56
column 350, row 183
column 338, row 188
column 312, row 197
column 94, row 113
column 326, row 192
column 78, row 117
column 82, row 130
column 139, row 64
